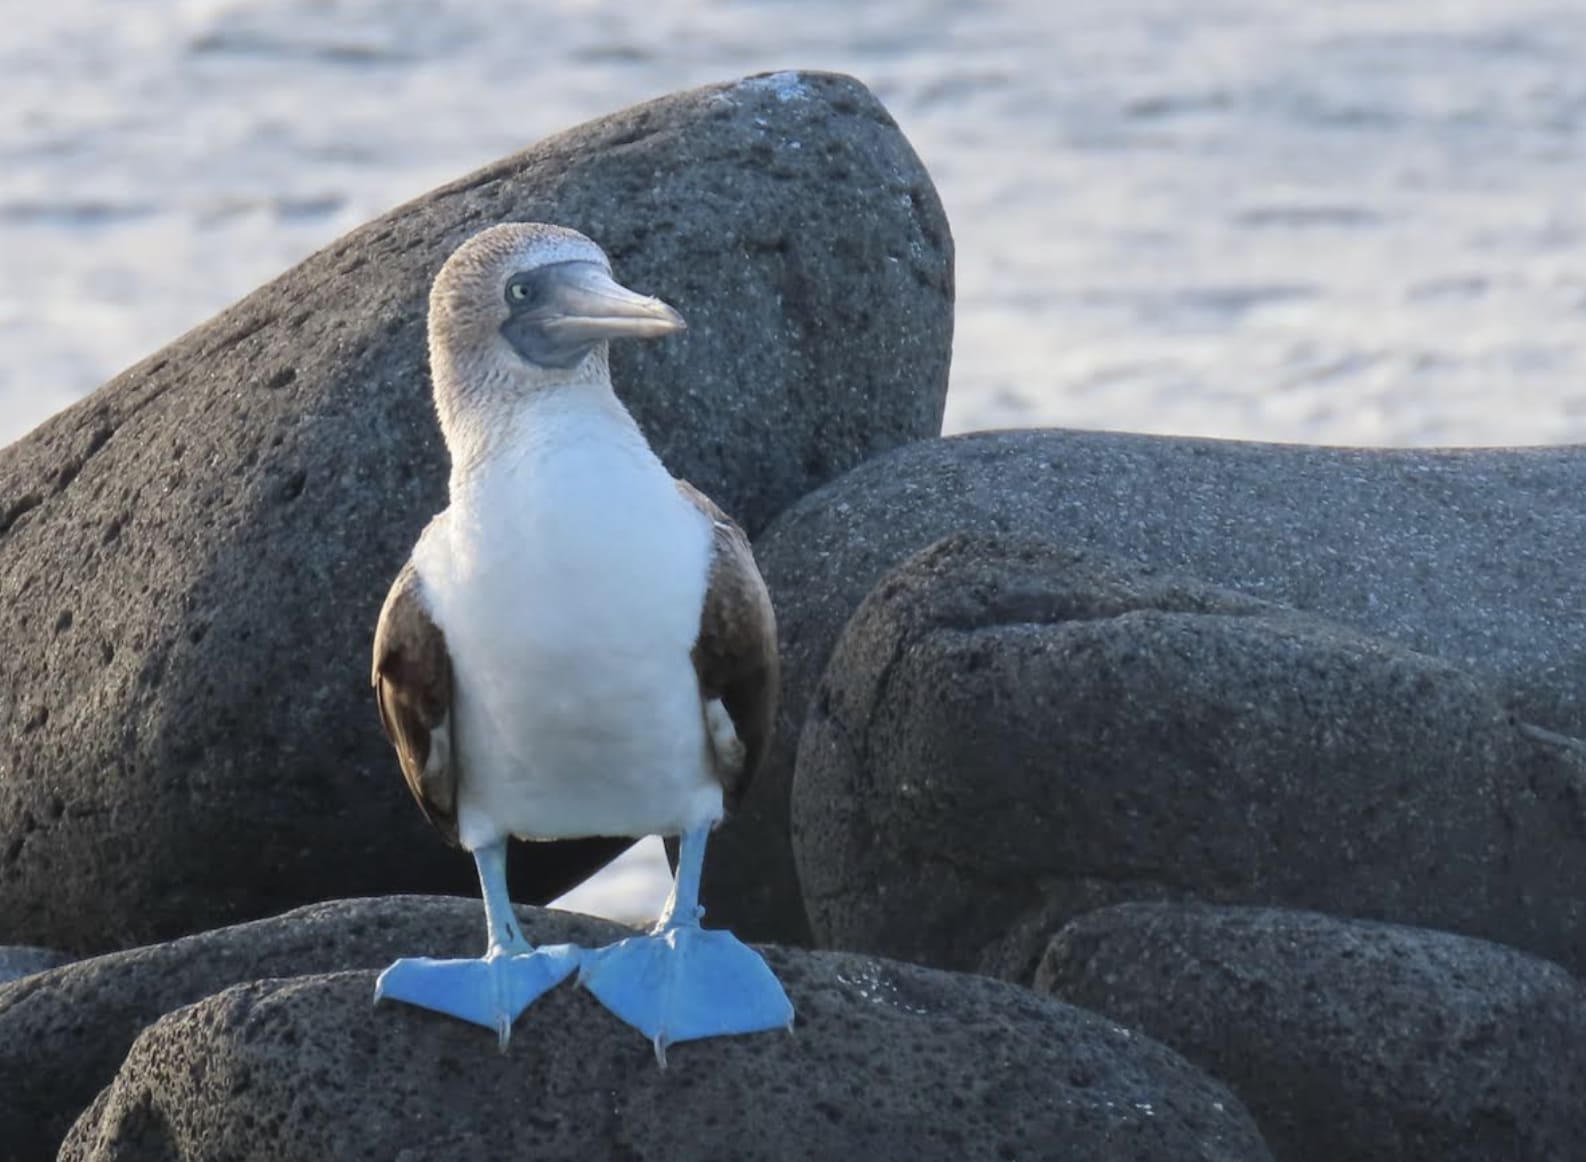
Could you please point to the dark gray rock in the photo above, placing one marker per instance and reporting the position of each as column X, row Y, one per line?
column 63, row 1033
column 1470, row 556
column 1010, row 734
column 192, row 559
column 889, row 1061
column 19, row 960
column 1347, row 1039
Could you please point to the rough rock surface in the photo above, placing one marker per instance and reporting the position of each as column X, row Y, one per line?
column 1470, row 556
column 19, row 960
column 1347, row 1039
column 192, row 559
column 1011, row 734
column 889, row 1061
column 63, row 1033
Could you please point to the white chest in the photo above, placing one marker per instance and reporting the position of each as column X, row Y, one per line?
column 568, row 578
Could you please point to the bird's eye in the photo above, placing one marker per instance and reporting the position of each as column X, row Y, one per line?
column 518, row 292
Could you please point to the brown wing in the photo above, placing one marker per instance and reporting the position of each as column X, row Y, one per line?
column 735, row 655
column 413, row 686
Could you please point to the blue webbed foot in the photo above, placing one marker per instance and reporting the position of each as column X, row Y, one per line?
column 685, row 982
column 491, row 991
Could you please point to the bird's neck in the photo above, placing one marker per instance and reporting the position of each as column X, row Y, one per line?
column 480, row 392
column 500, row 429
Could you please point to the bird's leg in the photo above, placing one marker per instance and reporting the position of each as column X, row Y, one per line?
column 683, row 982
column 501, row 926
column 682, row 903
column 493, row 990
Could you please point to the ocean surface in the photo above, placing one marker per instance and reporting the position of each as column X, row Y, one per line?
column 1351, row 222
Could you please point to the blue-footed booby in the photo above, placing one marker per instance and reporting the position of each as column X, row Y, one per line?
column 579, row 645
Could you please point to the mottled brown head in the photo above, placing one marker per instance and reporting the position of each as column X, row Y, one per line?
column 526, row 304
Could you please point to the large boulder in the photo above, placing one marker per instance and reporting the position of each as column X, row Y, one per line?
column 889, row 1061
column 1470, row 556
column 192, row 559
column 1010, row 734
column 1347, row 1039
column 64, row 1033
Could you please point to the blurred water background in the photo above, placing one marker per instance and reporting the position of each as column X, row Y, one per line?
column 1355, row 222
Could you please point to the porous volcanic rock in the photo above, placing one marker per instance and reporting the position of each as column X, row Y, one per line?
column 1471, row 556
column 889, row 1061
column 1010, row 734
column 1346, row 1039
column 64, row 1032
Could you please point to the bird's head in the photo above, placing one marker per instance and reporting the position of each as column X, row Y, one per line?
column 533, row 305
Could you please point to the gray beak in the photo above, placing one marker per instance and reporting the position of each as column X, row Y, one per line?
column 566, row 309
column 587, row 305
